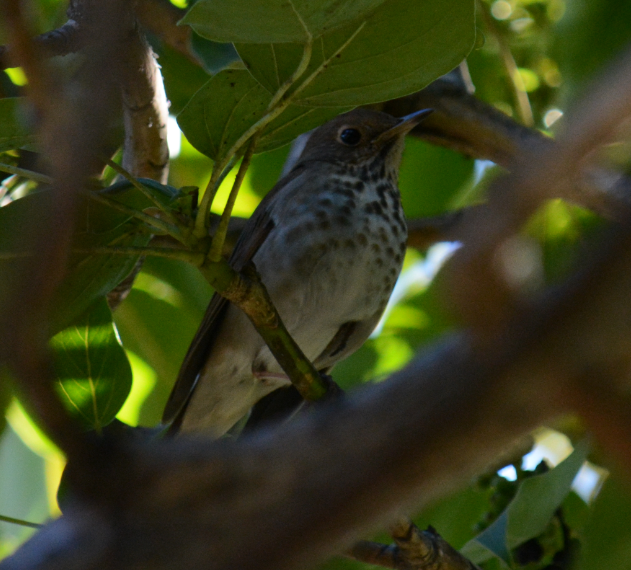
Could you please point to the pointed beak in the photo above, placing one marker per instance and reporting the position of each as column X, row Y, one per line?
column 404, row 126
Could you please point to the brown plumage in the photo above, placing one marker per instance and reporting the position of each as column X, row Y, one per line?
column 328, row 241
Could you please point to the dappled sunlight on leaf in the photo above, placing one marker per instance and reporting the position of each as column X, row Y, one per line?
column 144, row 381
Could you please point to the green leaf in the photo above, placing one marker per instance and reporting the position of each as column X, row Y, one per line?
column 402, row 47
column 529, row 512
column 182, row 78
column 13, row 130
column 273, row 20
column 431, row 177
column 222, row 110
column 89, row 276
column 166, row 291
column 230, row 103
column 293, row 122
column 215, row 56
column 91, row 367
column 607, row 534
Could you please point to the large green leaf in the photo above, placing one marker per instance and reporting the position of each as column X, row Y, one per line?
column 273, row 20
column 401, row 48
column 529, row 512
column 182, row 78
column 166, row 291
column 90, row 275
column 93, row 373
column 230, row 103
column 14, row 132
column 222, row 110
column 607, row 534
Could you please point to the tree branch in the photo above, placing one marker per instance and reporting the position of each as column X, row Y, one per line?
column 467, row 125
column 145, row 111
column 425, row 431
column 62, row 41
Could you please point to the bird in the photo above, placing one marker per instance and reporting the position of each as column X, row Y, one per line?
column 328, row 242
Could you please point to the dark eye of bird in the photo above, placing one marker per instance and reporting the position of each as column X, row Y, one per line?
column 350, row 137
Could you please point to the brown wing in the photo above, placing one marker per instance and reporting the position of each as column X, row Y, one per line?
column 253, row 235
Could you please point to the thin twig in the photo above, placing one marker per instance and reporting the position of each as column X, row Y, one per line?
column 30, row 174
column 521, row 97
column 191, row 257
column 20, row 522
column 203, row 211
column 62, row 41
column 219, row 238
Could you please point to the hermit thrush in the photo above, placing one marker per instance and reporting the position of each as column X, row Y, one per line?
column 328, row 242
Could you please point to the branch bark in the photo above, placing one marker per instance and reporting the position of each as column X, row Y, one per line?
column 425, row 431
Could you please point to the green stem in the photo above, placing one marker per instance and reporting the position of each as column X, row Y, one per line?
column 325, row 64
column 274, row 109
column 248, row 293
column 297, row 74
column 36, row 176
column 219, row 238
column 212, row 194
column 203, row 212
column 142, row 189
column 191, row 257
column 20, row 522
column 280, row 103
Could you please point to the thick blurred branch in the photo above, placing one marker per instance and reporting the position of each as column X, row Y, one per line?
column 71, row 120
column 423, row 432
column 472, row 127
column 512, row 200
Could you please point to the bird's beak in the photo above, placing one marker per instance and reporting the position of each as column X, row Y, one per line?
column 404, row 126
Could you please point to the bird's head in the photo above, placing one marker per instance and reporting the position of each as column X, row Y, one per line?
column 361, row 137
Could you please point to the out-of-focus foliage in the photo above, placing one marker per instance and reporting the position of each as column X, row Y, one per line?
column 531, row 58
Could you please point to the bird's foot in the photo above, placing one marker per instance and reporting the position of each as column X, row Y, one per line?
column 333, row 391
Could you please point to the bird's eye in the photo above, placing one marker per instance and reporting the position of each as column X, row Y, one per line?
column 350, row 137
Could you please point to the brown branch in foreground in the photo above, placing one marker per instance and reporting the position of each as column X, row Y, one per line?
column 512, row 200
column 426, row 430
column 72, row 120
column 24, row 314
column 474, row 128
